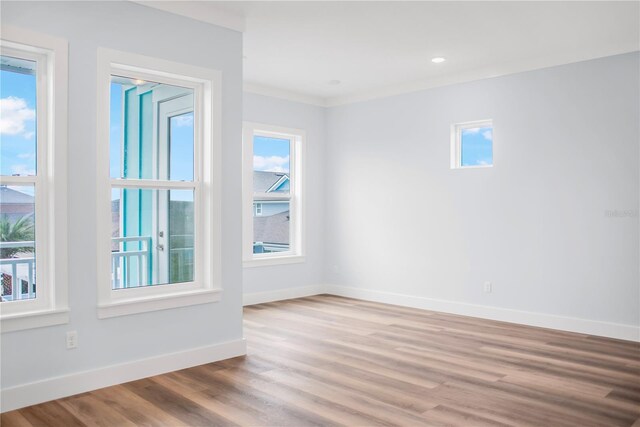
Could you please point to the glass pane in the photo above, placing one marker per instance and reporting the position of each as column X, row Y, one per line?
column 271, row 228
column 17, row 116
column 476, row 146
column 271, row 159
column 152, row 237
column 17, row 242
column 151, row 130
column 181, row 147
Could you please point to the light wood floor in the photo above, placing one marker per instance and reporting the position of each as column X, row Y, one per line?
column 334, row 361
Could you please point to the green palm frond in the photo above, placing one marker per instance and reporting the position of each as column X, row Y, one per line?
column 19, row 231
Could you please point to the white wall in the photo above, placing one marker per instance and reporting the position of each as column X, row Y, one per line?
column 400, row 221
column 281, row 281
column 40, row 354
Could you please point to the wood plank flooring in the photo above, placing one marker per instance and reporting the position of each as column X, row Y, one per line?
column 326, row 360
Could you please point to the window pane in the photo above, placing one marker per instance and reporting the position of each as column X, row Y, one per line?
column 17, row 245
column 271, row 159
column 151, row 130
column 17, row 116
column 476, row 146
column 271, row 229
column 181, row 233
column 152, row 237
column 181, row 147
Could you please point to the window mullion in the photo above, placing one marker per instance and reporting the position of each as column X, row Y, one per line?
column 154, row 184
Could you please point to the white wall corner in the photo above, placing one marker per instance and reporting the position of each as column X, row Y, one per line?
column 282, row 294
column 543, row 320
column 80, row 382
column 207, row 12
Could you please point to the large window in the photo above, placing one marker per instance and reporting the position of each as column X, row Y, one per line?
column 33, row 82
column 159, row 132
column 273, row 226
column 472, row 144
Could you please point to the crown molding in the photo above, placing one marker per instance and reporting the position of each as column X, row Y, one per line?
column 445, row 80
column 203, row 11
column 498, row 70
column 273, row 92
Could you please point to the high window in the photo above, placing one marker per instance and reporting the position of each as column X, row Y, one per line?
column 472, row 144
column 157, row 124
column 33, row 84
column 273, row 224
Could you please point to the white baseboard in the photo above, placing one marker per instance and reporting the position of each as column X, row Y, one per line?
column 80, row 382
column 571, row 324
column 282, row 294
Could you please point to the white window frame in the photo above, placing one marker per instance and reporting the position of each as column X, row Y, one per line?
column 51, row 306
column 258, row 211
column 296, row 252
column 456, row 143
column 207, row 284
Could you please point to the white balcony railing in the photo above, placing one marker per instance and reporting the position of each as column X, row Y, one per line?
column 18, row 274
column 130, row 266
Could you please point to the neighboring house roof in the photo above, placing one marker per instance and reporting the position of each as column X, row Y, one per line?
column 280, row 186
column 266, row 182
column 9, row 196
column 272, row 228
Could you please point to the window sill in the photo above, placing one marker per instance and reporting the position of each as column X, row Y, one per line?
column 161, row 302
column 36, row 319
column 473, row 167
column 276, row 260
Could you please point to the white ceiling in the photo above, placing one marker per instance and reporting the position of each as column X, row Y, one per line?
column 293, row 49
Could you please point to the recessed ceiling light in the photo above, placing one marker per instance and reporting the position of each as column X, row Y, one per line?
column 334, row 82
column 438, row 60
column 138, row 82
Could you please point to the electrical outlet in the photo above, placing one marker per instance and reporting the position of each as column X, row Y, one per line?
column 488, row 288
column 72, row 339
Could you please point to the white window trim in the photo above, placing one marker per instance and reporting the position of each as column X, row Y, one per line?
column 297, row 191
column 207, row 284
column 51, row 307
column 456, row 142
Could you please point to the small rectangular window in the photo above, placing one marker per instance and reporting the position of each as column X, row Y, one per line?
column 272, row 185
column 472, row 144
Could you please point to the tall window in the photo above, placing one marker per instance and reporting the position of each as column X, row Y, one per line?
column 151, row 139
column 273, row 224
column 32, row 211
column 472, row 144
column 160, row 175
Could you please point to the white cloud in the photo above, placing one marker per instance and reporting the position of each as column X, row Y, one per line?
column 26, row 156
column 22, row 170
column 483, row 162
column 471, row 130
column 184, row 120
column 14, row 113
column 488, row 134
column 271, row 163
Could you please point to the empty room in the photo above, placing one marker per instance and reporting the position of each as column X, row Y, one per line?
column 319, row 213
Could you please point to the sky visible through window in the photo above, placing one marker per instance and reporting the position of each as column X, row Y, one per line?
column 18, row 125
column 181, row 128
column 477, row 146
column 115, row 130
column 271, row 154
